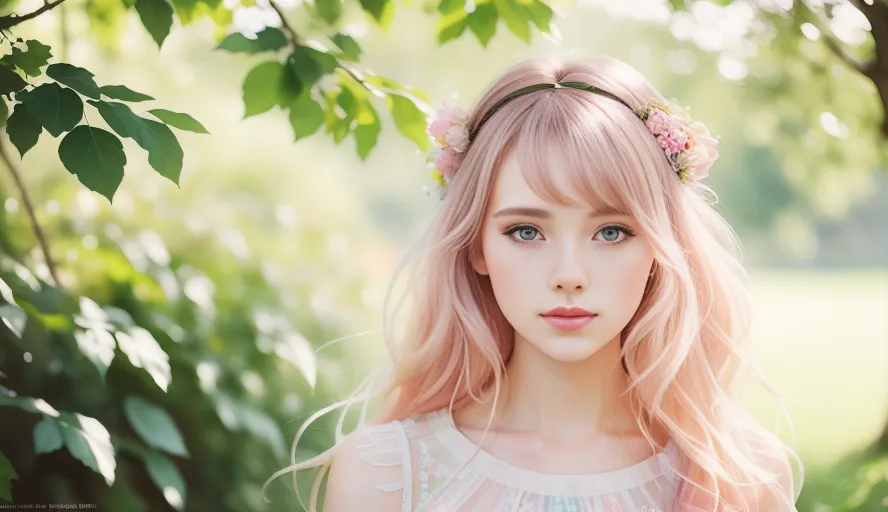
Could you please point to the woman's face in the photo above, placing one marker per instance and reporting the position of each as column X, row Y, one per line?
column 540, row 255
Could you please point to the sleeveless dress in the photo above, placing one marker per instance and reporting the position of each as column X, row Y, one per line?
column 437, row 464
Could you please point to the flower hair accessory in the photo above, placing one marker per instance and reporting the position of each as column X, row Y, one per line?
column 449, row 130
column 687, row 144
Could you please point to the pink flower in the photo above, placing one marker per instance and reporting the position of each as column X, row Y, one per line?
column 658, row 122
column 446, row 161
column 438, row 128
column 672, row 142
column 705, row 153
column 446, row 117
column 451, row 114
column 457, row 137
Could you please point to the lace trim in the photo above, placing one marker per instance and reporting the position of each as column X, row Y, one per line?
column 389, row 447
column 500, row 471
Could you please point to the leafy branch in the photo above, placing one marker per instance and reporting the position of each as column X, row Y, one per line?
column 11, row 20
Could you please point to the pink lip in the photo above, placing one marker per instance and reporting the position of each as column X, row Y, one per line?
column 568, row 323
column 568, row 311
column 568, row 318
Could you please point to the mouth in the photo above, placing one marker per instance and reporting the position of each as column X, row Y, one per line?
column 568, row 323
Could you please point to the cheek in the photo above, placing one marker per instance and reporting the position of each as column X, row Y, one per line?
column 510, row 266
column 629, row 275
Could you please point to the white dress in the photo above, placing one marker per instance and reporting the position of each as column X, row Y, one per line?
column 438, row 465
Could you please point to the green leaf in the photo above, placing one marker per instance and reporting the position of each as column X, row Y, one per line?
column 677, row 5
column 166, row 476
column 309, row 65
column 306, row 116
column 350, row 49
column 23, row 130
column 98, row 346
column 540, row 15
column 366, row 134
column 10, row 81
column 190, row 11
column 409, row 119
column 46, row 299
column 6, row 292
column 237, row 415
column 269, row 39
column 178, row 120
column 143, row 351
column 262, row 426
column 35, row 405
column 165, row 154
column 14, row 318
column 89, row 442
column 375, row 8
column 47, row 436
column 30, row 61
column 154, row 425
column 482, row 22
column 96, row 157
column 58, row 109
column 74, row 77
column 262, row 87
column 7, row 475
column 157, row 16
column 448, row 6
column 4, row 112
column 516, row 17
column 329, row 10
column 123, row 93
column 450, row 26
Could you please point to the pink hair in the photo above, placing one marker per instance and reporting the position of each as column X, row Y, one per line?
column 686, row 351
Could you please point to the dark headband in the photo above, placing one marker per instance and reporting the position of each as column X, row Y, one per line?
column 538, row 87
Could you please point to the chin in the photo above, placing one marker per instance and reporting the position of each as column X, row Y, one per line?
column 569, row 349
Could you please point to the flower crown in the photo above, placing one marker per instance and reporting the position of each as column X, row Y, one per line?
column 687, row 144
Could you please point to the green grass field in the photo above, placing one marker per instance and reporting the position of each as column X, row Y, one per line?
column 822, row 339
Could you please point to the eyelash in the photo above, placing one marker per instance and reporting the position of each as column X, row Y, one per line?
column 629, row 233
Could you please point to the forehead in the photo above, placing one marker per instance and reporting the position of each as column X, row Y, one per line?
column 512, row 187
column 544, row 176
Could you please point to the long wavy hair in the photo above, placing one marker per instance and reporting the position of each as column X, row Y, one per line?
column 686, row 352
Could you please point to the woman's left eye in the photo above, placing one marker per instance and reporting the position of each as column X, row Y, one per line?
column 615, row 230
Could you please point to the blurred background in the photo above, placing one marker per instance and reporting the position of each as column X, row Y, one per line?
column 169, row 268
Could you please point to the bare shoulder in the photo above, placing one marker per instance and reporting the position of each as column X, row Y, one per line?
column 353, row 481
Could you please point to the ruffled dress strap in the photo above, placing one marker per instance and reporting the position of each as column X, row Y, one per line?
column 389, row 447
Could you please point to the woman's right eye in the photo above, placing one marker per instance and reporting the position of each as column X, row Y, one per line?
column 525, row 233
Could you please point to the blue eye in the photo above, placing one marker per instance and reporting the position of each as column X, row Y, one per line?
column 523, row 230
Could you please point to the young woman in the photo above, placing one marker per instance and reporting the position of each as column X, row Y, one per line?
column 578, row 336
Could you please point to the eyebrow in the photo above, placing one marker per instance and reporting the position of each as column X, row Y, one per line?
column 544, row 214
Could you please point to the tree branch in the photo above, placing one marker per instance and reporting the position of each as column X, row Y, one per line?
column 852, row 61
column 13, row 19
column 29, row 208
column 291, row 34
column 295, row 40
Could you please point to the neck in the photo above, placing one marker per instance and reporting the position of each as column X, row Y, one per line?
column 570, row 401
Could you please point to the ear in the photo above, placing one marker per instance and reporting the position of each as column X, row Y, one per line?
column 476, row 258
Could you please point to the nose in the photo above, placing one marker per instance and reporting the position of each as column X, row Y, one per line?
column 569, row 274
